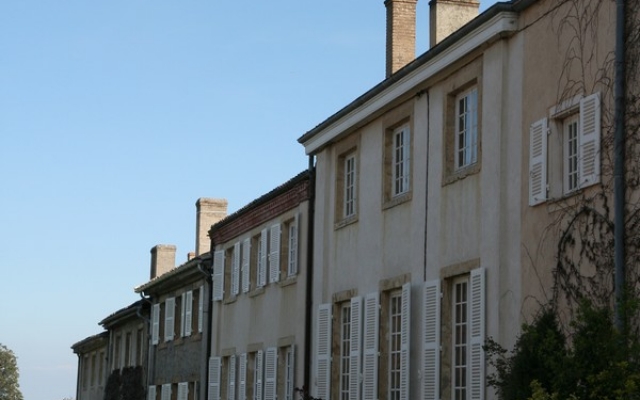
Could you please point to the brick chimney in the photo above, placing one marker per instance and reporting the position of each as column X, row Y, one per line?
column 163, row 259
column 209, row 211
column 447, row 16
column 401, row 33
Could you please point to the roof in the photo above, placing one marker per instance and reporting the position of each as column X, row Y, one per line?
column 124, row 314
column 183, row 274
column 90, row 343
column 422, row 60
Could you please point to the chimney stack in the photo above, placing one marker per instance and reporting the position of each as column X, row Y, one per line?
column 447, row 16
column 209, row 211
column 163, row 259
column 401, row 34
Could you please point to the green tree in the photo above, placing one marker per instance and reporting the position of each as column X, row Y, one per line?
column 9, row 386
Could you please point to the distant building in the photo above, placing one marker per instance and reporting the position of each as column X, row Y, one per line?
column 92, row 366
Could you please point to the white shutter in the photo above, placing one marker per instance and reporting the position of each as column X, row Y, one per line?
column 218, row 275
column 259, row 362
column 290, row 374
column 405, row 325
column 151, row 393
column 323, row 352
column 200, row 308
column 155, row 327
column 231, row 388
column 538, row 162
column 477, row 327
column 355, row 348
column 165, row 393
column 270, row 373
column 431, row 341
column 274, row 254
column 187, row 319
column 246, row 264
column 235, row 270
column 242, row 377
column 262, row 262
column 370, row 347
column 214, row 378
column 169, row 318
column 294, row 234
column 183, row 391
column 589, row 139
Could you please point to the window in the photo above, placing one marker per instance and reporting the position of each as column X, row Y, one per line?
column 101, row 370
column 155, row 324
column 235, row 270
column 242, row 376
column 214, row 378
column 139, row 344
column 183, row 391
column 257, row 375
column 394, row 328
column 345, row 350
column 270, row 373
column 218, row 275
column 460, row 339
column 289, row 372
column 169, row 317
column 246, row 265
column 262, row 257
column 151, row 393
column 395, row 341
column 466, row 131
column 231, row 378
column 570, row 137
column 292, row 246
column 349, row 195
column 93, row 369
column 165, row 392
column 401, row 160
column 199, row 294
column 127, row 349
column 274, row 253
column 187, row 313
column 117, row 357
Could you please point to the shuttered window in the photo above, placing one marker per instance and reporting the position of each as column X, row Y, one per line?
column 242, row 376
column 589, row 156
column 274, row 254
column 289, row 372
column 187, row 313
column 370, row 347
column 200, row 307
column 183, row 391
column 292, row 264
column 323, row 352
column 258, row 373
column 155, row 327
column 214, row 378
column 165, row 393
column 235, row 270
column 262, row 258
column 151, row 393
column 231, row 381
column 270, row 373
column 169, row 318
column 355, row 349
column 246, row 265
column 477, row 333
column 431, row 341
column 538, row 162
column 218, row 275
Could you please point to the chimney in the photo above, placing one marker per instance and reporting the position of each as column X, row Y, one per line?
column 163, row 259
column 401, row 33
column 209, row 211
column 447, row 16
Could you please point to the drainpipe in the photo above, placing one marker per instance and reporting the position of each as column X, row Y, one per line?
column 151, row 349
column 426, row 192
column 618, row 172
column 309, row 294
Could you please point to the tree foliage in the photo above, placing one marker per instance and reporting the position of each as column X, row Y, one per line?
column 9, row 386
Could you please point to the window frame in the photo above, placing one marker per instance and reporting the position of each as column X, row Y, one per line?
column 468, row 134
column 570, row 153
column 401, row 160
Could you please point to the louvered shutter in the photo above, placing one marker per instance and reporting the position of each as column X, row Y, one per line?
column 151, row 393
column 270, row 372
column 589, row 136
column 259, row 374
column 370, row 347
column 262, row 262
column 187, row 302
column 294, row 233
column 200, row 307
column 231, row 388
column 291, row 368
column 431, row 341
column 274, row 254
column 169, row 318
column 183, row 391
column 477, row 328
column 405, row 325
column 235, row 270
column 218, row 275
column 242, row 377
column 355, row 348
column 165, row 393
column 323, row 352
column 538, row 162
column 155, row 327
column 214, row 378
column 246, row 265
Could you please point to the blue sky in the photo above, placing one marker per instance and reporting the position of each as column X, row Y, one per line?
column 116, row 116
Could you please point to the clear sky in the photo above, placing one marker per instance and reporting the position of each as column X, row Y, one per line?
column 116, row 116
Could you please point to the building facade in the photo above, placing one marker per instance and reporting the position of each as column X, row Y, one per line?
column 92, row 366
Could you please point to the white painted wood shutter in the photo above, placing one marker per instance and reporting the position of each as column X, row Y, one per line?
column 477, row 328
column 242, row 377
column 291, row 373
column 270, row 373
column 187, row 320
column 431, row 340
column 294, row 234
column 218, row 275
column 355, row 348
column 538, row 162
column 262, row 262
column 589, row 139
column 183, row 391
column 323, row 352
column 246, row 265
column 258, row 390
column 405, row 329
column 274, row 254
column 169, row 318
column 214, row 378
column 155, row 326
column 151, row 393
column 200, row 308
column 235, row 270
column 370, row 346
column 165, row 393
column 231, row 388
